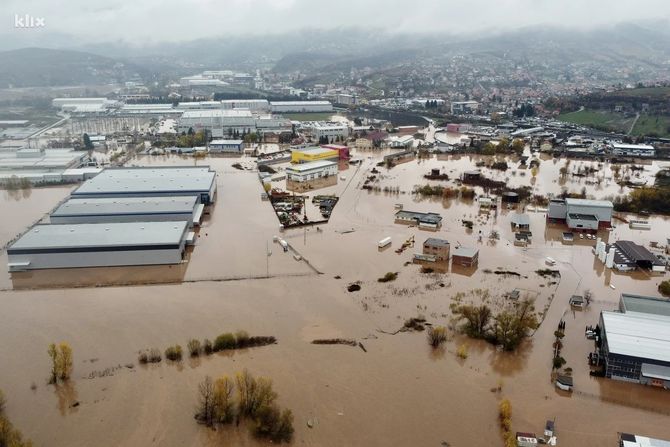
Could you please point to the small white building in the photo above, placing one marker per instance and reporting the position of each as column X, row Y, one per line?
column 633, row 150
column 312, row 170
column 330, row 130
column 236, row 146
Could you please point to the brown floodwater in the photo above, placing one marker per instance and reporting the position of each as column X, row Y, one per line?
column 400, row 392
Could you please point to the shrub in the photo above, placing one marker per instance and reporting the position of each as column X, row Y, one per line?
column 207, row 347
column 143, row 358
column 261, row 340
column 467, row 193
column 437, row 335
column 462, row 351
column 558, row 362
column 154, row 355
column 61, row 361
column 664, row 288
column 389, row 276
column 225, row 341
column 2, row 401
column 274, row 424
column 173, row 353
column 242, row 339
column 193, row 346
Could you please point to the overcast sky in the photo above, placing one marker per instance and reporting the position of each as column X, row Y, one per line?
column 174, row 20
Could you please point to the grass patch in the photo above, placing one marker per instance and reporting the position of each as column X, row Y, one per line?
column 598, row 119
column 652, row 125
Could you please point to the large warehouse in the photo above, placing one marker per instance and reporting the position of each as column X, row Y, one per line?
column 199, row 181
column 98, row 245
column 129, row 209
column 300, row 106
column 635, row 341
column 581, row 214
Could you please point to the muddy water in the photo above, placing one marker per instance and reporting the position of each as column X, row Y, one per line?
column 398, row 393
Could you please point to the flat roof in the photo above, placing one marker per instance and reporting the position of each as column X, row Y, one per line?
column 520, row 219
column 635, row 252
column 316, row 150
column 126, row 206
column 215, row 142
column 645, row 304
column 639, row 335
column 299, row 103
column 465, row 252
column 628, row 440
column 311, row 165
column 149, row 180
column 588, row 202
column 215, row 113
column 632, row 146
column 436, row 242
column 98, row 235
column 422, row 217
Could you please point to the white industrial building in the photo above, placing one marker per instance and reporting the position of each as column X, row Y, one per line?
column 255, row 105
column 98, row 245
column 84, row 105
column 129, row 209
column 300, row 106
column 312, row 170
column 222, row 121
column 581, row 214
column 199, row 181
column 330, row 130
column 41, row 159
column 232, row 146
column 633, row 150
column 464, row 107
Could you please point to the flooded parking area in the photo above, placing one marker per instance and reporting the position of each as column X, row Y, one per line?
column 398, row 391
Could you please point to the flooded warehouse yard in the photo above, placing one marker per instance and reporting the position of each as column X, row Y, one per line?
column 392, row 387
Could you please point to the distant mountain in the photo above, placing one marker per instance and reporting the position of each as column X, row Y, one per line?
column 328, row 54
column 39, row 67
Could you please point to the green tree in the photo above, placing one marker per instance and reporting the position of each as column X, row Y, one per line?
column 88, row 144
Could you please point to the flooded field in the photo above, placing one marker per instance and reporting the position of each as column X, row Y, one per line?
column 398, row 392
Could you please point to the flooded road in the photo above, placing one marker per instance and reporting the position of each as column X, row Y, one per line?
column 400, row 392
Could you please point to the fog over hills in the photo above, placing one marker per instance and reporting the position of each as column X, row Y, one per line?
column 69, row 61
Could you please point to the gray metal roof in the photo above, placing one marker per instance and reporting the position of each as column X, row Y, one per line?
column 656, row 371
column 126, row 205
column 589, row 202
column 520, row 219
column 645, row 304
column 628, row 440
column 466, row 252
column 101, row 235
column 303, row 167
column 638, row 335
column 148, row 180
column 436, row 242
